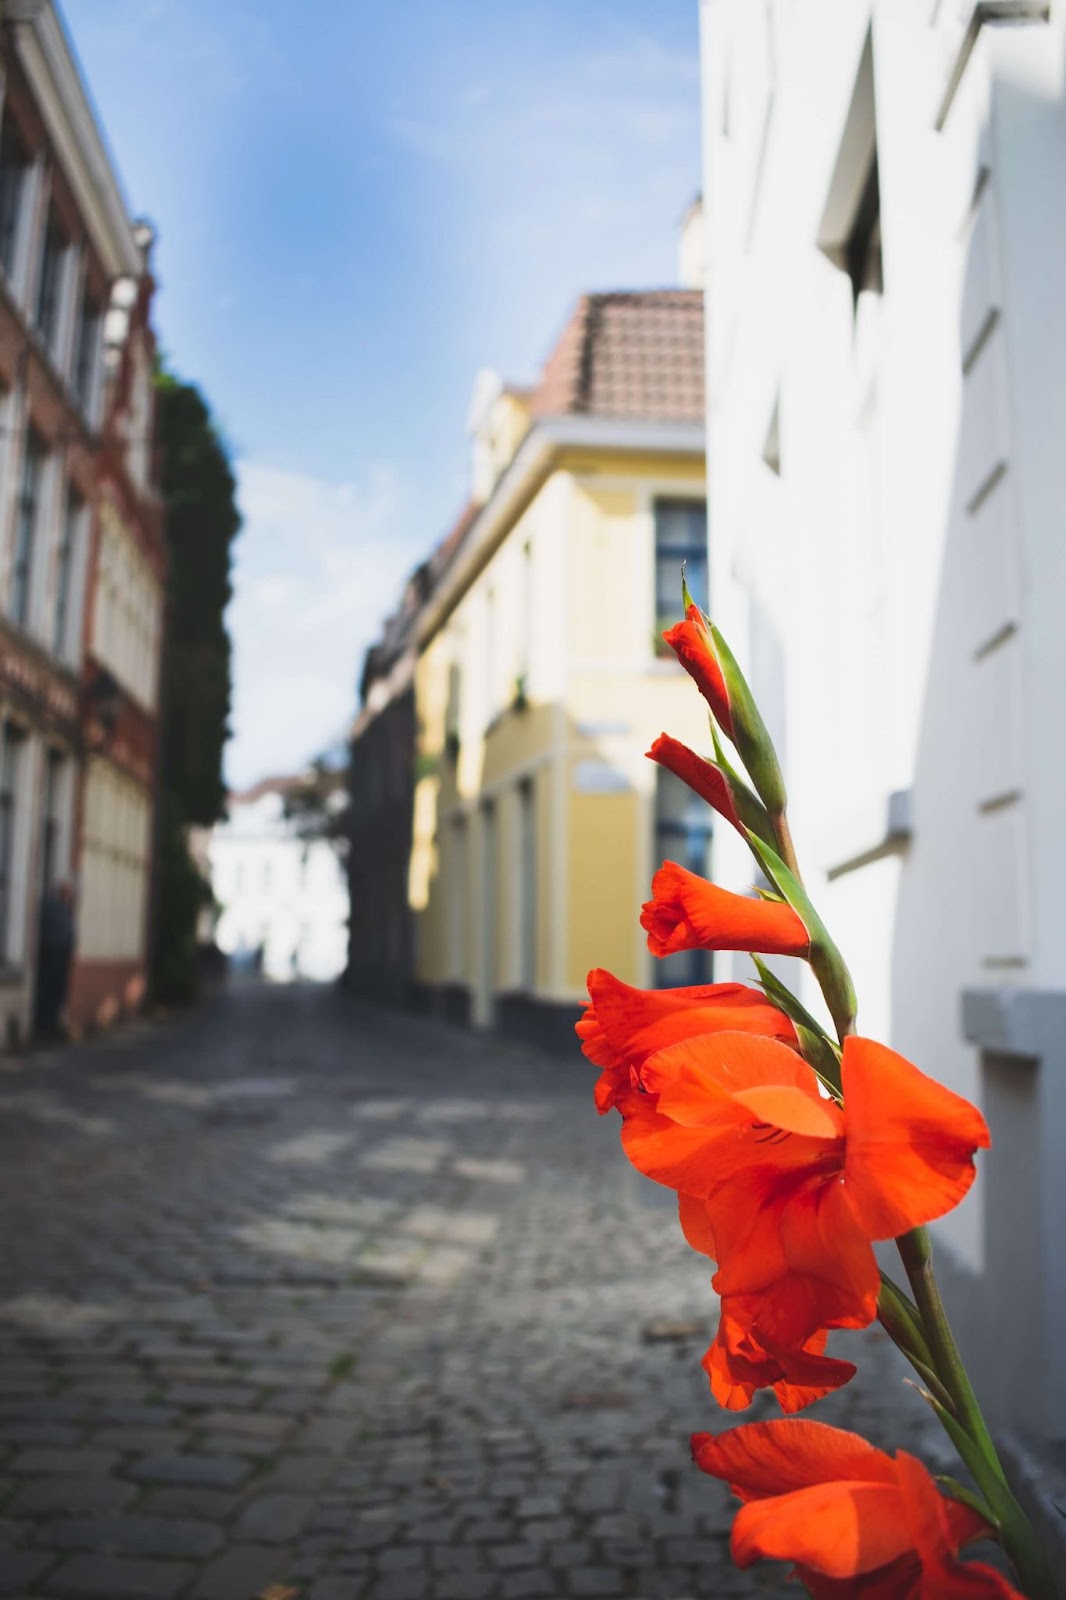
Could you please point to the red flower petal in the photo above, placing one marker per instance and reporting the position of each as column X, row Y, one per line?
column 910, row 1141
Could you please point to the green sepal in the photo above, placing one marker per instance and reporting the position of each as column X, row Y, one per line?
column 686, row 598
column 750, row 734
column 899, row 1317
column 819, row 1054
column 786, row 1001
column 825, row 959
column 967, row 1497
column 816, row 1049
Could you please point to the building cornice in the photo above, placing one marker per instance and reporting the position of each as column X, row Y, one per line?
column 548, row 441
column 52, row 73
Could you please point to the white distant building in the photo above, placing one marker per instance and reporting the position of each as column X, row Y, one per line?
column 283, row 900
column 886, row 376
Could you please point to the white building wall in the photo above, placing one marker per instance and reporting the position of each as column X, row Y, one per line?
column 278, row 894
column 895, row 581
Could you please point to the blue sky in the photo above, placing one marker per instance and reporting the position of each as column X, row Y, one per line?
column 359, row 205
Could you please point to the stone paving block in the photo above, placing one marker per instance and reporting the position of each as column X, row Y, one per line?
column 514, row 1555
column 71, row 1496
column 326, row 1434
column 401, row 1558
column 532, row 1583
column 298, row 1471
column 188, row 1500
column 458, row 1557
column 232, row 1444
column 595, row 1581
column 220, row 1472
column 208, row 1396
column 340, row 1588
column 400, row 1586
column 242, row 1571
column 465, row 1586
column 136, row 1416
column 113, row 1577
column 90, row 1462
column 258, row 1424
column 137, row 1536
column 40, row 1433
column 20, row 1568
column 275, row 1518
column 139, row 1441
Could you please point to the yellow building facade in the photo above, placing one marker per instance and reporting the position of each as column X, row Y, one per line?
column 541, row 679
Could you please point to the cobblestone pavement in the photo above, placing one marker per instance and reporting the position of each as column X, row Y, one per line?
column 307, row 1294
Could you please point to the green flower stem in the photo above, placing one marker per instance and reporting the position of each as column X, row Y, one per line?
column 1017, row 1535
column 785, row 848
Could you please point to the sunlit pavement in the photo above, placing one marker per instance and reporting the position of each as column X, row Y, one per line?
column 305, row 1293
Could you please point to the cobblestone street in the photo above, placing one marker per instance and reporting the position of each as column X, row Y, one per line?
column 307, row 1294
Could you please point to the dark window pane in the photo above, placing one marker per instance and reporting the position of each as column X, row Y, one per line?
column 47, row 313
column 683, row 833
column 14, row 163
column 680, row 542
column 25, row 529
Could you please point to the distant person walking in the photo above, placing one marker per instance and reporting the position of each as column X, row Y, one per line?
column 55, row 952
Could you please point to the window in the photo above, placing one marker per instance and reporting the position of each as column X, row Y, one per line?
column 50, row 282
column 453, row 710
column 850, row 230
column 458, row 867
column 489, row 907
column 86, row 343
column 25, row 527
column 53, row 824
column 680, row 542
column 116, row 840
column 12, row 741
column 14, row 165
column 682, row 834
column 64, row 565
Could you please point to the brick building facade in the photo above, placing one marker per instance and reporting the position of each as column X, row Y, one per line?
column 81, row 548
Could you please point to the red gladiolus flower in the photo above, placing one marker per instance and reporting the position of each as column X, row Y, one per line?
column 703, row 777
column 859, row 1524
column 688, row 913
column 786, row 1189
column 691, row 642
column 740, row 1361
column 623, row 1026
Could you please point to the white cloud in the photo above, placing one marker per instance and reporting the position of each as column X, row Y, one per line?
column 318, row 566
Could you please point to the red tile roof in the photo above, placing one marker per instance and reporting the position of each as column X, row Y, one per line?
column 636, row 354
